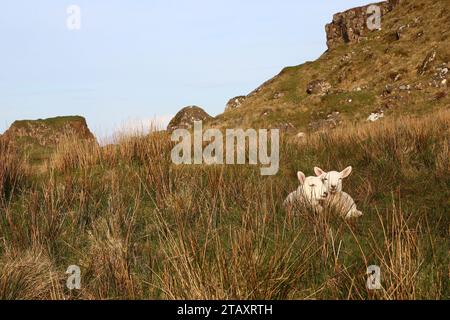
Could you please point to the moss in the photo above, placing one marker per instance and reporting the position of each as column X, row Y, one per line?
column 56, row 122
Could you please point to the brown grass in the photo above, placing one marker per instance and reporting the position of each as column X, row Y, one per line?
column 12, row 169
column 141, row 228
column 29, row 275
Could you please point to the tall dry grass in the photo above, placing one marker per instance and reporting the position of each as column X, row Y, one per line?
column 29, row 275
column 142, row 228
column 12, row 169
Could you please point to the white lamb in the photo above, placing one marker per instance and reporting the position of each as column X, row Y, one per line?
column 338, row 200
column 308, row 195
column 343, row 203
column 333, row 179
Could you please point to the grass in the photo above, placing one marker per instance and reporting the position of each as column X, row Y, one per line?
column 36, row 139
column 55, row 122
column 141, row 228
column 12, row 169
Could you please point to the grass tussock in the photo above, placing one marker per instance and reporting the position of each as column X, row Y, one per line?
column 12, row 169
column 142, row 228
column 29, row 275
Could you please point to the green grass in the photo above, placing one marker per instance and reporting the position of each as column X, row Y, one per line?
column 37, row 139
column 56, row 122
column 142, row 228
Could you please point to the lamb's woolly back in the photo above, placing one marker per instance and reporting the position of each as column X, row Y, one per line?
column 298, row 197
column 344, row 204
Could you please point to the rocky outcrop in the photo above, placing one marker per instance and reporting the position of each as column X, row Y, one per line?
column 320, row 87
column 425, row 65
column 331, row 121
column 185, row 118
column 235, row 103
column 48, row 132
column 366, row 75
column 351, row 26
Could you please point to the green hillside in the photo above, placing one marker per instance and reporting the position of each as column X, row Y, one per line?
column 400, row 69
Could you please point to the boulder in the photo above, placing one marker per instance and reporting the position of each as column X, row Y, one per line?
column 320, row 87
column 425, row 65
column 375, row 116
column 48, row 132
column 331, row 121
column 186, row 117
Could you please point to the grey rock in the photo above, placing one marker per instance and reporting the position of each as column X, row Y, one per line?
column 425, row 65
column 351, row 26
column 186, row 117
column 320, row 87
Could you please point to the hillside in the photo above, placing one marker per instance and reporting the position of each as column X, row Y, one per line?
column 139, row 226
column 400, row 69
column 39, row 138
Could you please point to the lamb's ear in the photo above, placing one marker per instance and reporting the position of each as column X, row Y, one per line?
column 346, row 172
column 319, row 172
column 301, row 177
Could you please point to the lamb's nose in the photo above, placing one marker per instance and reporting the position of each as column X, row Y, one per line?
column 325, row 194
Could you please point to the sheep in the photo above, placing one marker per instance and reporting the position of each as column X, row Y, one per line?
column 338, row 200
column 308, row 195
column 333, row 179
column 343, row 203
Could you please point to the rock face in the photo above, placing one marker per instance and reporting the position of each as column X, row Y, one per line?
column 185, row 118
column 351, row 25
column 48, row 132
column 234, row 103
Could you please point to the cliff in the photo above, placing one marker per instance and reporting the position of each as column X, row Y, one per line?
column 351, row 26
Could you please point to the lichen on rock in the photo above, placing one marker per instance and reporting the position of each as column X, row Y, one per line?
column 186, row 117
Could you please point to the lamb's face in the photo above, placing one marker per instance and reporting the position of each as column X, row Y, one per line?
column 314, row 189
column 333, row 180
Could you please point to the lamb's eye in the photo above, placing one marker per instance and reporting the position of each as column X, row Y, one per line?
column 312, row 186
column 324, row 179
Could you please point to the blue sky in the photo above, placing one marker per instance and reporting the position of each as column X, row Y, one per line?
column 136, row 60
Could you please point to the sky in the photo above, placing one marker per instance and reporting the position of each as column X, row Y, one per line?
column 133, row 61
